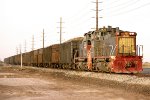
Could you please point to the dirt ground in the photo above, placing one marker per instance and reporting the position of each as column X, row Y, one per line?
column 27, row 84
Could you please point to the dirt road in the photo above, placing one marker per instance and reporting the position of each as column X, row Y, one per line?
column 25, row 84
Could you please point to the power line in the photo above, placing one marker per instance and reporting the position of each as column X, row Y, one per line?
column 131, row 10
column 73, row 17
column 112, row 1
column 126, row 4
column 78, row 20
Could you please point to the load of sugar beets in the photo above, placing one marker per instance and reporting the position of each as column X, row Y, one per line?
column 105, row 50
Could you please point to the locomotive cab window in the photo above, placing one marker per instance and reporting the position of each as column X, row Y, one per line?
column 126, row 45
column 88, row 42
column 89, row 35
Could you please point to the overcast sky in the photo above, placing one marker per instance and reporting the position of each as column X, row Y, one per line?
column 21, row 19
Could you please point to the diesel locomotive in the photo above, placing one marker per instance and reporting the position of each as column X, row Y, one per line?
column 107, row 50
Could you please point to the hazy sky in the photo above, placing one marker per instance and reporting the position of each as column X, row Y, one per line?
column 20, row 19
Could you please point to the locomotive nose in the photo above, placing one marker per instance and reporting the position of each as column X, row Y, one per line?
column 130, row 64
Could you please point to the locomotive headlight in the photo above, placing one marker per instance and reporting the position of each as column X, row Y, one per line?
column 133, row 51
column 131, row 33
column 113, row 57
column 117, row 33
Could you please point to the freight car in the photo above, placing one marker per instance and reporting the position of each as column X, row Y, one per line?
column 49, row 57
column 108, row 50
column 69, row 51
column 55, row 56
column 6, row 60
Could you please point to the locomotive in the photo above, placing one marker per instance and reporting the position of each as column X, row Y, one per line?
column 106, row 50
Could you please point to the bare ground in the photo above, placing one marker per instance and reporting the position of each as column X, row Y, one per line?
column 37, row 84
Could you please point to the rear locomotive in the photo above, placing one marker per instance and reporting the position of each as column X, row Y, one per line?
column 110, row 50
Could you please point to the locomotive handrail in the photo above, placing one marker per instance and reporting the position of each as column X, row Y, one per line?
column 139, row 52
column 114, row 50
column 142, row 49
column 111, row 49
column 75, row 55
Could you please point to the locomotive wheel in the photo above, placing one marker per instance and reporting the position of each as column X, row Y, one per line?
column 78, row 67
column 73, row 67
column 62, row 66
column 82, row 67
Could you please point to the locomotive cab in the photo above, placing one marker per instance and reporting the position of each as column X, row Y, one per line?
column 128, row 57
column 126, row 44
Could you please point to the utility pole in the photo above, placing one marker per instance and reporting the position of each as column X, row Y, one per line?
column 32, row 42
column 43, row 38
column 17, row 50
column 25, row 50
column 97, row 14
column 21, row 56
column 31, row 55
column 25, row 46
column 60, row 30
column 43, row 48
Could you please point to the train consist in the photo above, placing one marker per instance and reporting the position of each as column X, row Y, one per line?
column 108, row 50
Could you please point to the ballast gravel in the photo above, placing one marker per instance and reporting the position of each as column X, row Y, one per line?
column 132, row 83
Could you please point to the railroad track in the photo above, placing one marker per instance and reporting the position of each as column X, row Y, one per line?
column 144, row 73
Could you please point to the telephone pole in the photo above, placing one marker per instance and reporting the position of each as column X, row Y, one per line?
column 25, row 46
column 60, row 30
column 97, row 14
column 20, row 56
column 43, row 38
column 32, row 42
column 60, row 27
column 43, row 48
column 32, row 61
column 17, row 50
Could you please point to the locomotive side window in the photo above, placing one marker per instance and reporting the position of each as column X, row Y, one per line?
column 89, row 35
column 88, row 42
column 126, row 45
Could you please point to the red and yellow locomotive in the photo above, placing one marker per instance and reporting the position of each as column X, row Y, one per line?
column 110, row 50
